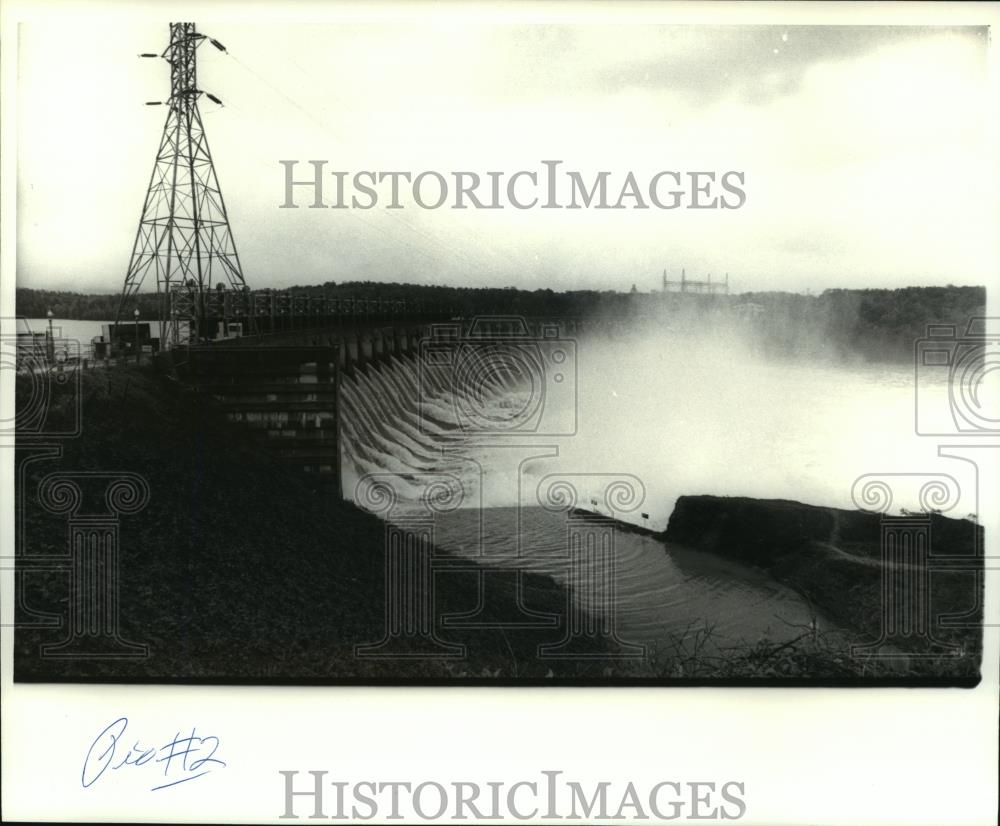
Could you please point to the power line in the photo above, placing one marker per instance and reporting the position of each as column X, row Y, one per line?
column 183, row 235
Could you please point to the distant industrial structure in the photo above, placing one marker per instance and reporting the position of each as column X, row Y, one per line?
column 688, row 285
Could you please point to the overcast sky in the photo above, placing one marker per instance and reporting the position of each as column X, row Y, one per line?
column 864, row 149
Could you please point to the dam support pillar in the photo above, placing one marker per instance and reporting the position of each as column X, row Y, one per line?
column 286, row 397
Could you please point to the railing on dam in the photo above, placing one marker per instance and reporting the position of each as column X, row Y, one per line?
column 194, row 317
column 352, row 345
column 358, row 341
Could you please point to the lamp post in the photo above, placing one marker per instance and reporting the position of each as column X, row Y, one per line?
column 135, row 315
column 50, row 343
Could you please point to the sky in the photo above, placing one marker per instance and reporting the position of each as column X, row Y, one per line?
column 864, row 150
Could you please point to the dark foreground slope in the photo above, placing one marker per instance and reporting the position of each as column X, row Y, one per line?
column 236, row 569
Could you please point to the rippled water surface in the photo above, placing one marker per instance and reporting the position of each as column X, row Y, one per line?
column 662, row 591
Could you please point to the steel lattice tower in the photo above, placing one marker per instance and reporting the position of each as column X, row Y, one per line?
column 184, row 232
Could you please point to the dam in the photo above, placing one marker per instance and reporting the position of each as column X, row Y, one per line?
column 458, row 430
column 497, row 453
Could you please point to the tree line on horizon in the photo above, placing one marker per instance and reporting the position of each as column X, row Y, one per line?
column 873, row 323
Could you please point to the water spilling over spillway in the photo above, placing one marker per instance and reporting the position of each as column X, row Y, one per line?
column 460, row 447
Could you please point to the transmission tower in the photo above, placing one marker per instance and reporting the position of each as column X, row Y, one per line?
column 184, row 230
